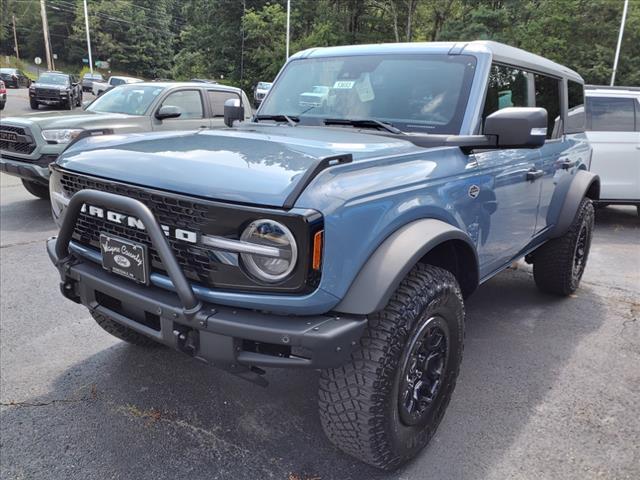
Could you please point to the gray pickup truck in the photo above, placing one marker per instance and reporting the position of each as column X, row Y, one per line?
column 28, row 144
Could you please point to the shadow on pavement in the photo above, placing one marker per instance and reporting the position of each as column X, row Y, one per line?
column 132, row 413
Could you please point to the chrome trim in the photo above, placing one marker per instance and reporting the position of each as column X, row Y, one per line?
column 243, row 247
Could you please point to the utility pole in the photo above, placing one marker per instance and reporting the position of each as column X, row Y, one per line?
column 86, row 24
column 615, row 60
column 45, row 30
column 15, row 37
column 288, row 24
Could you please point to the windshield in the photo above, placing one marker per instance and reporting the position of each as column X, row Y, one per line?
column 95, row 76
column 130, row 99
column 264, row 85
column 53, row 79
column 8, row 70
column 418, row 93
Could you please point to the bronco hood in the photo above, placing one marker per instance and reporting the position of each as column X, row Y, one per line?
column 258, row 164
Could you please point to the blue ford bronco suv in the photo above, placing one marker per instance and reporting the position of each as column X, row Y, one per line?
column 341, row 235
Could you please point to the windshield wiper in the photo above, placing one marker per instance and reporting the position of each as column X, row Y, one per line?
column 365, row 123
column 293, row 121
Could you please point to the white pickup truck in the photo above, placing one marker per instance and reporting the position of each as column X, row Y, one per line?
column 613, row 130
column 100, row 87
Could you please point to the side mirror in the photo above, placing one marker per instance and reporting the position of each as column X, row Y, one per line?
column 233, row 110
column 86, row 103
column 517, row 127
column 168, row 111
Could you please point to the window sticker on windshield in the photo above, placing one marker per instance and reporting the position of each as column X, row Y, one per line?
column 344, row 84
column 365, row 89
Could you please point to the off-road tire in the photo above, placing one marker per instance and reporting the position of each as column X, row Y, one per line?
column 36, row 189
column 554, row 264
column 122, row 332
column 34, row 105
column 79, row 100
column 360, row 401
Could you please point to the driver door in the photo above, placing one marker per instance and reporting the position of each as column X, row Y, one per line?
column 191, row 106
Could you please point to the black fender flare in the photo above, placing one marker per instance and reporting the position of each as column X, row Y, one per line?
column 583, row 184
column 394, row 258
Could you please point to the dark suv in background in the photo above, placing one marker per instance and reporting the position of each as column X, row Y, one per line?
column 12, row 77
column 56, row 88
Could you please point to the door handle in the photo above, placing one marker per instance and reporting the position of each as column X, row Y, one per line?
column 567, row 164
column 533, row 174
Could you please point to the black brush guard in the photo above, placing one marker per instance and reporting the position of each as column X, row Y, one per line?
column 236, row 339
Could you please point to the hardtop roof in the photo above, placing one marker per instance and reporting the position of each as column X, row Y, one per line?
column 499, row 51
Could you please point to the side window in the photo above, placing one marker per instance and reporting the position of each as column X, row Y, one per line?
column 611, row 114
column 548, row 97
column 576, row 119
column 188, row 101
column 217, row 99
column 508, row 87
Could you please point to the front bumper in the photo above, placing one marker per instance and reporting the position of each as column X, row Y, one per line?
column 236, row 339
column 37, row 171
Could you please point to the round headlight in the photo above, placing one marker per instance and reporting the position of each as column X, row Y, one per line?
column 278, row 261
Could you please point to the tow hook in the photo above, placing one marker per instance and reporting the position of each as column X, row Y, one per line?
column 187, row 339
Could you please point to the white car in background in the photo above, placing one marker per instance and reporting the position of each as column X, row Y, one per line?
column 613, row 129
column 261, row 90
column 99, row 88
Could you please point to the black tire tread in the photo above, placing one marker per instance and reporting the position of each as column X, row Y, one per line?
column 351, row 397
column 553, row 261
column 122, row 332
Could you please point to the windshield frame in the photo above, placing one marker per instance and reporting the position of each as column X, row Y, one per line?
column 453, row 127
column 125, row 86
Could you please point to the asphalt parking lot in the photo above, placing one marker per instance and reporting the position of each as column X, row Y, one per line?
column 18, row 102
column 549, row 388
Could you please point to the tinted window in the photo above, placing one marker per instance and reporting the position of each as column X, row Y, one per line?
column 116, row 81
column 423, row 93
column 611, row 114
column 548, row 97
column 576, row 119
column 508, row 87
column 217, row 99
column 188, row 101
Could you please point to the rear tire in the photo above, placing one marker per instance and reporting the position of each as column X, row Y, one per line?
column 384, row 406
column 558, row 265
column 36, row 189
column 123, row 333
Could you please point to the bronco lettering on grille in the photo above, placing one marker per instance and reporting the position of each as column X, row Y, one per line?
column 133, row 222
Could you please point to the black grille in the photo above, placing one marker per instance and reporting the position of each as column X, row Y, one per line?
column 170, row 211
column 25, row 148
column 47, row 94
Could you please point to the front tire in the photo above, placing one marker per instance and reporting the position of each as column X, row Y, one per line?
column 34, row 105
column 36, row 189
column 123, row 333
column 558, row 265
column 385, row 405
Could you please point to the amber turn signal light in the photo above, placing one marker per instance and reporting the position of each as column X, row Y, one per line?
column 316, row 261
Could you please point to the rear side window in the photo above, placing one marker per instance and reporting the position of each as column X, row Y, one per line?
column 548, row 97
column 508, row 87
column 605, row 114
column 576, row 118
column 217, row 99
